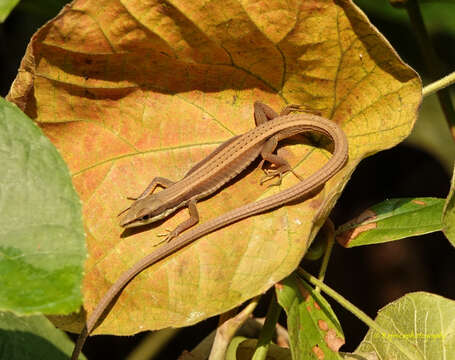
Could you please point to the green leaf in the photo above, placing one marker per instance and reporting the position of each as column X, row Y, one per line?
column 392, row 219
column 6, row 6
column 42, row 243
column 448, row 216
column 242, row 348
column 423, row 323
column 314, row 330
column 32, row 338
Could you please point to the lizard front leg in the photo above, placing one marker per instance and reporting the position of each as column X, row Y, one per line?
column 191, row 221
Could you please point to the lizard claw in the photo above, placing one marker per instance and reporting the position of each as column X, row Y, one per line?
column 269, row 175
column 168, row 236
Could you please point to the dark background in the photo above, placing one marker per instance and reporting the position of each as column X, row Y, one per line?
column 369, row 276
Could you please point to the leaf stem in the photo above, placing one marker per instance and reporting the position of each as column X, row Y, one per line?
column 265, row 338
column 329, row 228
column 353, row 309
column 439, row 84
column 431, row 60
column 230, row 323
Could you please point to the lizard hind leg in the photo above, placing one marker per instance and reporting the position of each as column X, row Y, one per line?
column 281, row 164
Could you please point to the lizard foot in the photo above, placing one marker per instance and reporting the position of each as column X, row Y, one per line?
column 168, row 236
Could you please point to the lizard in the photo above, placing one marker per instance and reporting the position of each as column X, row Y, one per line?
column 207, row 176
column 271, row 129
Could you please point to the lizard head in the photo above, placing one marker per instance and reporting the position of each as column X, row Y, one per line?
column 144, row 211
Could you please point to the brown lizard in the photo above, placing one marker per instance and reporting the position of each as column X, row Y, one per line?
column 263, row 139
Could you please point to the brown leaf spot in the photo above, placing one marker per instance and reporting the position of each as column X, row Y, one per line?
column 305, row 294
column 332, row 340
column 316, row 305
column 323, row 325
column 345, row 237
column 418, row 202
column 318, row 352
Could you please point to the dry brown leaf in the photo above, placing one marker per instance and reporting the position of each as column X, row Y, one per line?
column 129, row 90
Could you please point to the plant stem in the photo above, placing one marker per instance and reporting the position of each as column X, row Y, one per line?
column 431, row 61
column 230, row 323
column 353, row 309
column 330, row 236
column 446, row 81
column 268, row 330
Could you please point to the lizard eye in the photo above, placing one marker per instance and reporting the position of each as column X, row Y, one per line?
column 145, row 217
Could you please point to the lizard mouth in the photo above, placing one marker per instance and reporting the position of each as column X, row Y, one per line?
column 128, row 221
column 125, row 222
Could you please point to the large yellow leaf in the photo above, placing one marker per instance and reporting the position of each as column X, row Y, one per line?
column 133, row 89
